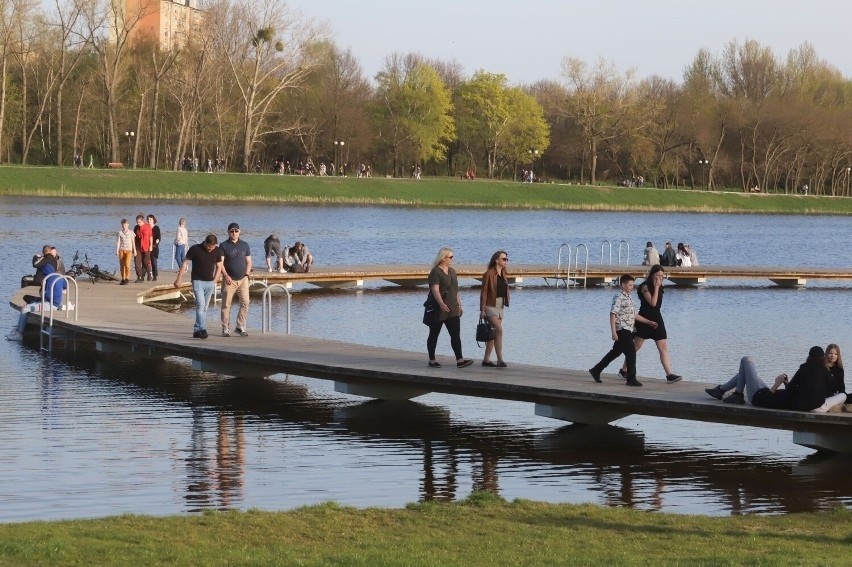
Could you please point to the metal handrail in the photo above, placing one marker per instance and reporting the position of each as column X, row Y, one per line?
column 76, row 303
column 604, row 243
column 266, row 312
column 627, row 256
column 559, row 263
column 577, row 263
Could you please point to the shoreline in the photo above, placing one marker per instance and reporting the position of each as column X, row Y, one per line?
column 440, row 192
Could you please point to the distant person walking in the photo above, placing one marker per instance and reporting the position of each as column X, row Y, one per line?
column 236, row 258
column 206, row 269
column 493, row 299
column 444, row 286
column 181, row 241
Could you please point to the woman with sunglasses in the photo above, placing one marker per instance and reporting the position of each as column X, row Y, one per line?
column 492, row 299
column 444, row 286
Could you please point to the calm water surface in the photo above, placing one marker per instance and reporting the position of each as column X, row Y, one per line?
column 86, row 436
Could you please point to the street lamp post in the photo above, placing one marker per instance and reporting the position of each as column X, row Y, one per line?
column 130, row 135
column 338, row 155
column 848, row 173
column 704, row 163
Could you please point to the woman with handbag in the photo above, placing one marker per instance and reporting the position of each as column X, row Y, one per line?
column 493, row 298
column 444, row 286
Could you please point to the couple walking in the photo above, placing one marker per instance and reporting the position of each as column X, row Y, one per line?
column 493, row 298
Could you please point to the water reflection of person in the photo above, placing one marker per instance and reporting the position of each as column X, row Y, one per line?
column 217, row 481
column 484, row 476
column 432, row 487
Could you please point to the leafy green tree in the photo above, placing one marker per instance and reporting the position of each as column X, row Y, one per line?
column 412, row 110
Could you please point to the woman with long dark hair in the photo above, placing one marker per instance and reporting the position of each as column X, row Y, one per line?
column 834, row 361
column 650, row 302
column 155, row 250
column 493, row 298
column 444, row 286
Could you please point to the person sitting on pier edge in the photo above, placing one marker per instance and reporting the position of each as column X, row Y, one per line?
column 493, row 298
column 444, row 286
column 668, row 258
column 834, row 361
column 652, row 255
column 53, row 290
column 805, row 392
column 650, row 302
column 622, row 322
column 682, row 256
column 272, row 247
column 206, row 269
column 236, row 268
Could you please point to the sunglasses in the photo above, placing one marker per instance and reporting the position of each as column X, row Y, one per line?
column 505, row 258
column 450, row 257
column 233, row 231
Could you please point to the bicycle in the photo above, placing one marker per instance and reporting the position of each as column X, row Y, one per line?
column 85, row 268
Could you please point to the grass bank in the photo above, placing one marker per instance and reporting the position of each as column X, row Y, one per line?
column 429, row 192
column 483, row 530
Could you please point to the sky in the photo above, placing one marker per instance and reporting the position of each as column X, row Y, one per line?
column 527, row 39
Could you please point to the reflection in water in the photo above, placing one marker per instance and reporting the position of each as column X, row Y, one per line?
column 307, row 447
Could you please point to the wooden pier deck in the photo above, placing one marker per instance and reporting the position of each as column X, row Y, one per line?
column 115, row 320
column 415, row 275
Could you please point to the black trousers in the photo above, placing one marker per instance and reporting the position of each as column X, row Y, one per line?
column 624, row 345
column 453, row 325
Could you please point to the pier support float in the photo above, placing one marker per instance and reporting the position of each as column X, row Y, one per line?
column 687, row 280
column 408, row 283
column 117, row 347
column 823, row 441
column 788, row 282
column 589, row 413
column 595, row 280
column 380, row 391
column 339, row 284
column 239, row 369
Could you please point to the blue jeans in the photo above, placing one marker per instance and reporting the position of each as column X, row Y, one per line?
column 203, row 291
column 745, row 380
column 180, row 254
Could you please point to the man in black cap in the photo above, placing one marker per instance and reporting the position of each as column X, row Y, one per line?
column 236, row 257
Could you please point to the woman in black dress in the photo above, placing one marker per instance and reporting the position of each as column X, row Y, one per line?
column 444, row 286
column 155, row 251
column 650, row 302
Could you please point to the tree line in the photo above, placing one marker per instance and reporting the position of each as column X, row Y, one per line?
column 261, row 84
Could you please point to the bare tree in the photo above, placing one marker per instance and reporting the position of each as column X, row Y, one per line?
column 264, row 45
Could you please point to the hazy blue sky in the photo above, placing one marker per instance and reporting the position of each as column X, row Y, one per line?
column 527, row 39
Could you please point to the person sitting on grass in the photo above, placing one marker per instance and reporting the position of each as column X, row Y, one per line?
column 805, row 392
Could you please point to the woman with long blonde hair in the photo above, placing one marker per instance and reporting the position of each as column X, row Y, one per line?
column 444, row 286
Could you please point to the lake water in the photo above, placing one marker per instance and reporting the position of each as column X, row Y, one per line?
column 87, row 436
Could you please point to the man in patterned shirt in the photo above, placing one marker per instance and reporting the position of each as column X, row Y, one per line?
column 622, row 323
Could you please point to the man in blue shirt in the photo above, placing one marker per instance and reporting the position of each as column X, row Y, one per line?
column 236, row 257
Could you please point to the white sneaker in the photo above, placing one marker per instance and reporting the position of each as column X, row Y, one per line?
column 15, row 335
column 281, row 271
column 271, row 270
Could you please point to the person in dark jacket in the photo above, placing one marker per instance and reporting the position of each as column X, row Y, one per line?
column 807, row 390
column 668, row 257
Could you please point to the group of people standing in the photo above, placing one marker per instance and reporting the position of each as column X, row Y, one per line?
column 141, row 244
